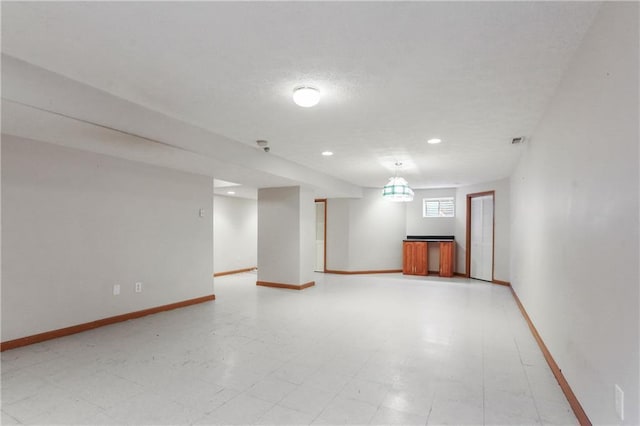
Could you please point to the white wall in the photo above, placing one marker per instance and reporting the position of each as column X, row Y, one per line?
column 377, row 228
column 502, row 224
column 0, row 232
column 418, row 225
column 575, row 219
column 76, row 223
column 307, row 241
column 365, row 233
column 337, row 234
column 235, row 238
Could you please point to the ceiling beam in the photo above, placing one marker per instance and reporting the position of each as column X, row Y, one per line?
column 43, row 105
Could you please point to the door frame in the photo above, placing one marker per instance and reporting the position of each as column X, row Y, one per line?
column 324, row 261
column 493, row 236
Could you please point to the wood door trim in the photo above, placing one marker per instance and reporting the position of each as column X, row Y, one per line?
column 324, row 261
column 67, row 331
column 468, row 236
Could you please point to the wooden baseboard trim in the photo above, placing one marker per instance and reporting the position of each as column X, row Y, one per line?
column 500, row 282
column 459, row 274
column 555, row 369
column 61, row 332
column 234, row 271
column 287, row 286
column 380, row 271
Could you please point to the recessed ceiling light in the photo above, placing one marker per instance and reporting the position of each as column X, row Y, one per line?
column 306, row 96
column 231, row 192
column 327, row 153
column 434, row 141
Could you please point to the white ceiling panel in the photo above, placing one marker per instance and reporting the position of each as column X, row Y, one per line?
column 392, row 74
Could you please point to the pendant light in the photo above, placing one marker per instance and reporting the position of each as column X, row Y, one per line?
column 398, row 188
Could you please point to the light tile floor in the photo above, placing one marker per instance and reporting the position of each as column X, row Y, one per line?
column 376, row 349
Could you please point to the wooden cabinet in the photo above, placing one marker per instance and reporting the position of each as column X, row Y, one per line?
column 414, row 258
column 447, row 258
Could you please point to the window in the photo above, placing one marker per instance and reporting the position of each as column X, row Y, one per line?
column 438, row 207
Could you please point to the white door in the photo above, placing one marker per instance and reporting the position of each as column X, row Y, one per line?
column 482, row 237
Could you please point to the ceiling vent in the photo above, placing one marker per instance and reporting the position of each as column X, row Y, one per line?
column 517, row 140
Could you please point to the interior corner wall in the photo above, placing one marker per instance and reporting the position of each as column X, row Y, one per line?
column 77, row 223
column 376, row 230
column 235, row 237
column 575, row 219
column 365, row 234
column 502, row 226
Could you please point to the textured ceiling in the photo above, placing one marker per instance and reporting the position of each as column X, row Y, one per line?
column 392, row 75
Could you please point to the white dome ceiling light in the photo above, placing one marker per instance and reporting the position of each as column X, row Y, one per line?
column 306, row 96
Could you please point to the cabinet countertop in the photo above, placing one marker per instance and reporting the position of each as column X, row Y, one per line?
column 430, row 240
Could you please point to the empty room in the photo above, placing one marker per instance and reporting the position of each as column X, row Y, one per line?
column 269, row 213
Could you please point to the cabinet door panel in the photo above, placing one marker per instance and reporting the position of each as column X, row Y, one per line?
column 421, row 259
column 447, row 251
column 414, row 258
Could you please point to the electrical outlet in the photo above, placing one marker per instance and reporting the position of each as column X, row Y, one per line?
column 619, row 402
column 138, row 287
column 116, row 289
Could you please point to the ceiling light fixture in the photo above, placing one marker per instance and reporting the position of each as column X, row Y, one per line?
column 306, row 96
column 434, row 141
column 327, row 153
column 231, row 192
column 398, row 188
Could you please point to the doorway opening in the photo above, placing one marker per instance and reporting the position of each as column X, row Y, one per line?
column 321, row 235
column 480, row 235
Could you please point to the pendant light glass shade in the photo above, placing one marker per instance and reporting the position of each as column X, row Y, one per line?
column 397, row 190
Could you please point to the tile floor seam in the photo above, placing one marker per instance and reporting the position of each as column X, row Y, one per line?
column 7, row 414
column 524, row 371
column 221, row 405
column 426, row 422
column 323, row 409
